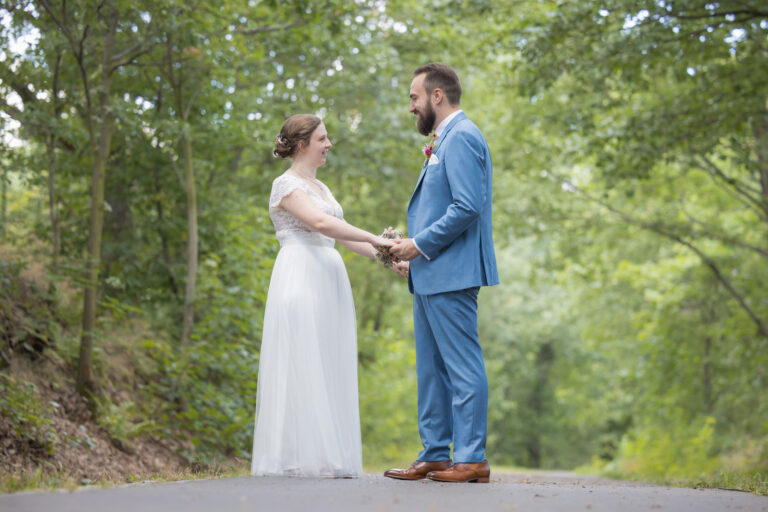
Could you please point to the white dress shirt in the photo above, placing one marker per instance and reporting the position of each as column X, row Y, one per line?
column 444, row 122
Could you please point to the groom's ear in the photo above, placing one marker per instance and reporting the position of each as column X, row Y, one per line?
column 437, row 95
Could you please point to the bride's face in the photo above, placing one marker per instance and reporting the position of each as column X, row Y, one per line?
column 319, row 144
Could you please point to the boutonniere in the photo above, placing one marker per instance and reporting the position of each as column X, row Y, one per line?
column 429, row 147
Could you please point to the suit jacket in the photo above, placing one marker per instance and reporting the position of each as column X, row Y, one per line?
column 449, row 215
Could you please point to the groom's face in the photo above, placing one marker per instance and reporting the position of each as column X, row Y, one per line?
column 421, row 106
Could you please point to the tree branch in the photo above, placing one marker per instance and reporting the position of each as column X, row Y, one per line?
column 12, row 111
column 659, row 230
column 723, row 238
column 272, row 28
column 133, row 48
column 27, row 96
column 191, row 101
column 751, row 13
column 131, row 53
column 736, row 187
column 172, row 157
column 728, row 190
column 62, row 26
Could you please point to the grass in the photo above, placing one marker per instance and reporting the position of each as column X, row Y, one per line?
column 752, row 481
column 41, row 480
column 748, row 481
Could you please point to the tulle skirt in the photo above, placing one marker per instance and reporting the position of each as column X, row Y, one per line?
column 307, row 414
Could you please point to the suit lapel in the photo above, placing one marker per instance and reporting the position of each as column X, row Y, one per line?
column 421, row 175
column 459, row 117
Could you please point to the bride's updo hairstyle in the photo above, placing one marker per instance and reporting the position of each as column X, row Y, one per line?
column 296, row 129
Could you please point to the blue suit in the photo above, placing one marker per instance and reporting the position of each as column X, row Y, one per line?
column 449, row 218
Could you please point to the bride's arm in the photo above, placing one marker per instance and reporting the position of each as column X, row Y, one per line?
column 361, row 248
column 300, row 205
column 365, row 249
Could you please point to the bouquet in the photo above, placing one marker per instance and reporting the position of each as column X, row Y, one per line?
column 382, row 253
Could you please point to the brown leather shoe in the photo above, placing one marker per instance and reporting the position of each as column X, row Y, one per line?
column 418, row 470
column 463, row 472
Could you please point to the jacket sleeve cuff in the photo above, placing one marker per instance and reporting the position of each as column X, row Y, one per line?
column 419, row 249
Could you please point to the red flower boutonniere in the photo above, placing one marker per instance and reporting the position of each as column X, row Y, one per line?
column 429, row 147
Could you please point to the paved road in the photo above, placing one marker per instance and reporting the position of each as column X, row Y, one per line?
column 534, row 492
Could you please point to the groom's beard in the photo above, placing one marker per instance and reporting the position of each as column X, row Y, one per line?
column 425, row 121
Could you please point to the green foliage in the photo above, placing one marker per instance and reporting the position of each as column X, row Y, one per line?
column 388, row 399
column 686, row 454
column 683, row 451
column 120, row 420
column 27, row 321
column 755, row 481
column 23, row 483
column 630, row 212
column 208, row 388
column 20, row 404
column 208, row 397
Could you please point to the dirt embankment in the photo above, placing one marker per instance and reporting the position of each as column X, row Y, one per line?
column 46, row 427
column 77, row 448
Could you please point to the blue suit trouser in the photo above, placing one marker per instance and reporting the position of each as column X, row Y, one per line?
column 452, row 384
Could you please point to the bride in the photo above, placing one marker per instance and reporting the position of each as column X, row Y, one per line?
column 307, row 417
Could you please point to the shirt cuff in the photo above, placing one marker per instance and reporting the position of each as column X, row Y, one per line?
column 417, row 248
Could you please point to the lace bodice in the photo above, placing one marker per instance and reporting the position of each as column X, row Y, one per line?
column 289, row 227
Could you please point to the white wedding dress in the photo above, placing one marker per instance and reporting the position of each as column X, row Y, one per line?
column 307, row 415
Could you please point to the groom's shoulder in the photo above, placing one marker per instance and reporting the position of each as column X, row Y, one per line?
column 469, row 130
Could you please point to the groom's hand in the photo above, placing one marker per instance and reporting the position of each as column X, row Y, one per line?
column 404, row 249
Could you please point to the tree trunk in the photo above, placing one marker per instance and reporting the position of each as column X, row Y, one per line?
column 85, row 382
column 189, row 293
column 159, row 209
column 708, row 375
column 163, row 238
column 52, row 204
column 3, row 184
column 52, row 171
column 760, row 130
column 177, row 81
column 537, row 401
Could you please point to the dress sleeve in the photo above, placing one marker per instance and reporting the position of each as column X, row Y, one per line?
column 338, row 210
column 281, row 187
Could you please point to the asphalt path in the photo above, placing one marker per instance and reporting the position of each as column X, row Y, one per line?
column 534, row 492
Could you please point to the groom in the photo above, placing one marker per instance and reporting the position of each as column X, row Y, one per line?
column 451, row 256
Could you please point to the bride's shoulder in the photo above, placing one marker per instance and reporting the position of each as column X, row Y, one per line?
column 282, row 186
column 286, row 181
column 283, row 178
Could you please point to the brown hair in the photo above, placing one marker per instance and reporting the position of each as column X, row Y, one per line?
column 441, row 76
column 296, row 129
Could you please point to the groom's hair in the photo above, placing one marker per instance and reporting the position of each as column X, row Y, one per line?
column 441, row 76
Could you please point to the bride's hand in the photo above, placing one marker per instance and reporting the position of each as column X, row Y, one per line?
column 382, row 242
column 401, row 268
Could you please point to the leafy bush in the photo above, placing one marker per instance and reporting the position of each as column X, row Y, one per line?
column 388, row 417
column 208, row 388
column 119, row 420
column 675, row 450
column 27, row 321
column 208, row 396
column 21, row 405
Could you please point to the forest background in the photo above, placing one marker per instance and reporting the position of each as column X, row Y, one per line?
column 629, row 333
